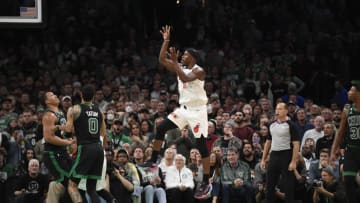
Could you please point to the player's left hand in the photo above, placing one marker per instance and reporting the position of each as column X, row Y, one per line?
column 174, row 54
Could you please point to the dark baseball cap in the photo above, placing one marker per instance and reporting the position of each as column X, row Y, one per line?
column 291, row 103
column 117, row 122
column 6, row 99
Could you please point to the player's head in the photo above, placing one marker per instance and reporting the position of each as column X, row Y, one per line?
column 190, row 56
column 49, row 98
column 356, row 84
column 88, row 92
column 354, row 91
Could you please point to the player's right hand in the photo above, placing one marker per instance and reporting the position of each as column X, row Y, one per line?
column 262, row 165
column 165, row 31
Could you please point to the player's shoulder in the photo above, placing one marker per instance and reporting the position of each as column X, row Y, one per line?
column 197, row 68
column 49, row 115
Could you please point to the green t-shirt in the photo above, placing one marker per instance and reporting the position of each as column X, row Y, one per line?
column 116, row 140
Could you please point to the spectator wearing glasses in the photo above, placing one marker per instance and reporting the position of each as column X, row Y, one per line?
column 179, row 182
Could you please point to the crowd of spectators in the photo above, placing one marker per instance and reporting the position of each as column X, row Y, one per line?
column 255, row 54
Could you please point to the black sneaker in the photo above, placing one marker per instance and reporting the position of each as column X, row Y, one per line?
column 203, row 191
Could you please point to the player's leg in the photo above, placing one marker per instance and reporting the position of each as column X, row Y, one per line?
column 201, row 146
column 350, row 172
column 91, row 190
column 161, row 129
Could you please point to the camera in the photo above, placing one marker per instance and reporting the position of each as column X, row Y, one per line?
column 317, row 183
column 111, row 169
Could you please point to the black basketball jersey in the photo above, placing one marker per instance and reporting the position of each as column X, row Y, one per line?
column 61, row 120
column 353, row 126
column 87, row 125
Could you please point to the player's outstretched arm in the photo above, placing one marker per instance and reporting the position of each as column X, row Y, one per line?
column 163, row 55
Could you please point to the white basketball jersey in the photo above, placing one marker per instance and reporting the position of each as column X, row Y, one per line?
column 192, row 93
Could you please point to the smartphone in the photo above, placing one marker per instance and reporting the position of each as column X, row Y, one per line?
column 256, row 140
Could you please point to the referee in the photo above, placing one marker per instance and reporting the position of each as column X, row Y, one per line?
column 283, row 141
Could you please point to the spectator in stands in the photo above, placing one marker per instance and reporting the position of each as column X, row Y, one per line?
column 218, row 151
column 317, row 165
column 184, row 141
column 315, row 110
column 152, row 178
column 315, row 133
column 193, row 158
column 215, row 166
column 219, row 125
column 235, row 179
column 228, row 140
column 33, row 186
column 327, row 114
column 248, row 156
column 301, row 123
column 66, row 103
column 308, row 156
column 257, row 144
column 168, row 160
column 179, row 182
column 266, row 107
column 336, row 117
column 7, row 112
column 242, row 129
column 327, row 140
column 22, row 168
column 136, row 137
column 100, row 100
column 292, row 94
column 147, row 130
column 116, row 136
column 212, row 136
column 122, row 158
column 29, row 128
column 121, row 185
column 328, row 188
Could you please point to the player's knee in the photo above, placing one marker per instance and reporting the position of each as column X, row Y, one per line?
column 163, row 127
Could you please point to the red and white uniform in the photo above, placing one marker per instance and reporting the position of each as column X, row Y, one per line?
column 192, row 111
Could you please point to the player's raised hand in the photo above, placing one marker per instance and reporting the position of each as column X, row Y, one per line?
column 165, row 31
column 173, row 54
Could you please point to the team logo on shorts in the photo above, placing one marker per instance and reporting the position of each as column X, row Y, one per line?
column 196, row 128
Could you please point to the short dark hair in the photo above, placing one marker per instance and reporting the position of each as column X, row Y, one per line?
column 232, row 149
column 88, row 92
column 195, row 54
column 356, row 83
column 325, row 150
column 43, row 99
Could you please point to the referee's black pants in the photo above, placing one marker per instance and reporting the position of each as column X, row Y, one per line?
column 278, row 165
